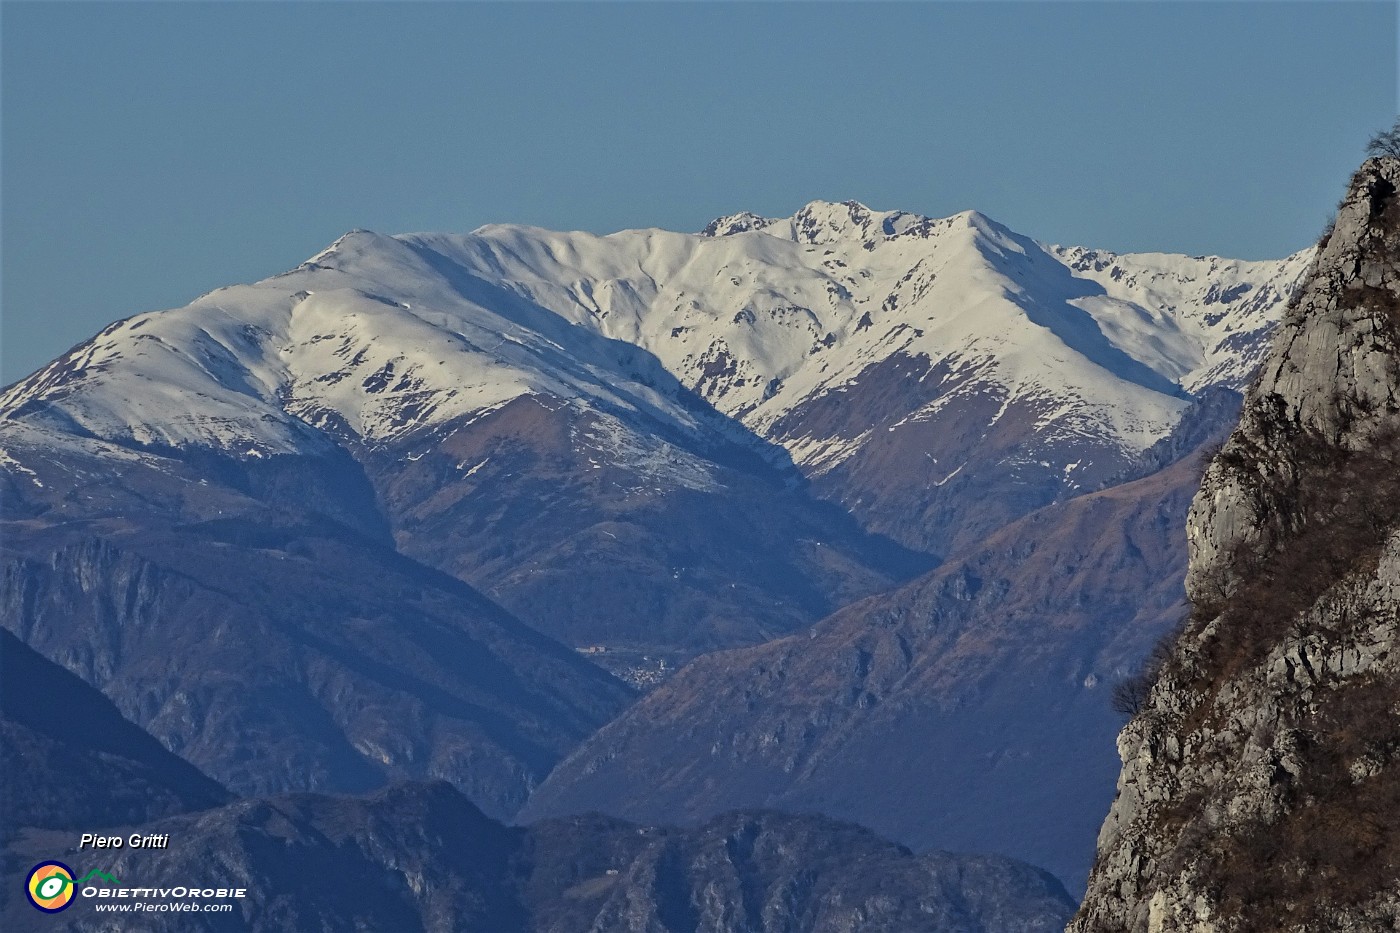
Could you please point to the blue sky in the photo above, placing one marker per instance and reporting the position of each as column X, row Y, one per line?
column 151, row 152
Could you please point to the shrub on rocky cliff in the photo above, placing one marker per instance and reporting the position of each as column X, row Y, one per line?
column 1385, row 143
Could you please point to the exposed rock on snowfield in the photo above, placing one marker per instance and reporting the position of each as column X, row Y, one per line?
column 1261, row 783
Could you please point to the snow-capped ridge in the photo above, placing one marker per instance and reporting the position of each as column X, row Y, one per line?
column 760, row 318
column 730, row 224
column 820, row 223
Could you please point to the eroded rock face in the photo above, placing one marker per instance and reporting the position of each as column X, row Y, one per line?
column 1261, row 783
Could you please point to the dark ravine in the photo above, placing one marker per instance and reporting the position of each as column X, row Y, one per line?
column 1261, row 783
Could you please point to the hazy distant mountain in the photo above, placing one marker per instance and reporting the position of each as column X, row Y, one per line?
column 967, row 710
column 616, row 417
column 293, row 528
column 420, row 857
column 277, row 654
column 68, row 760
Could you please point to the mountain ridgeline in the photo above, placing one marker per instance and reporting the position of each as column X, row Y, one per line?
column 418, row 856
column 923, row 711
column 904, row 493
column 1261, row 781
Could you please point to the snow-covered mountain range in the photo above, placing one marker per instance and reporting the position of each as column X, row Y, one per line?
column 392, row 335
column 648, row 445
column 863, row 344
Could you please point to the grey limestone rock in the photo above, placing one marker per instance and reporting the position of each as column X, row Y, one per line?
column 1260, row 785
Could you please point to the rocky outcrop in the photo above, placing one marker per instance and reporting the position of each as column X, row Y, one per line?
column 1261, row 781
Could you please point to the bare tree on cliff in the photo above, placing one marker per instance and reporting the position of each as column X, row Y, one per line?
column 1386, row 142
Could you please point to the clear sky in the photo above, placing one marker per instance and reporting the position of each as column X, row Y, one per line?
column 151, row 152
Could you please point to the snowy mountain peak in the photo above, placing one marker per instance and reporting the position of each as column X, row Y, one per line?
column 823, row 223
column 353, row 248
column 980, row 223
column 387, row 338
column 345, row 240
column 730, row 224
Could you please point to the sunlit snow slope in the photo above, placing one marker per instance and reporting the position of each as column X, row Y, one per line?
column 656, row 442
column 870, row 346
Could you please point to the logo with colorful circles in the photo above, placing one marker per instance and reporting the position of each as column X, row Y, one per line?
column 50, row 886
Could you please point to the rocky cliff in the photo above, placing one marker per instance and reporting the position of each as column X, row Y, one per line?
column 1261, row 779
